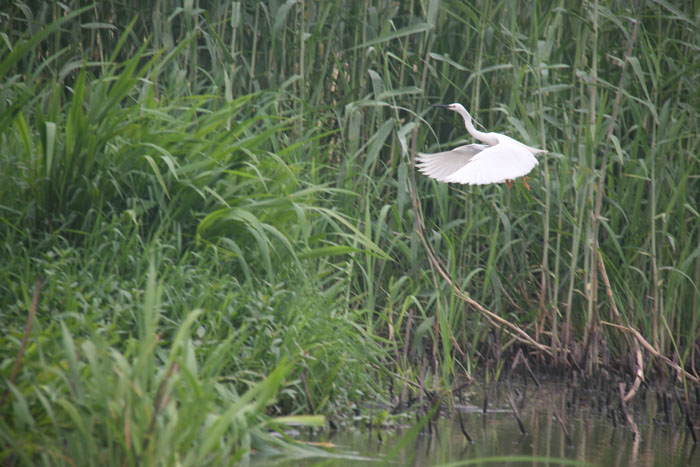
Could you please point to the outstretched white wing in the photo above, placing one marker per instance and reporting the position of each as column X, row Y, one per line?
column 495, row 164
column 442, row 165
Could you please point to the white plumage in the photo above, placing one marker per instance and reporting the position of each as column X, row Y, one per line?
column 501, row 159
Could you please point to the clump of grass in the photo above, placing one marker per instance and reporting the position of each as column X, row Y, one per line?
column 84, row 399
column 126, row 365
column 234, row 333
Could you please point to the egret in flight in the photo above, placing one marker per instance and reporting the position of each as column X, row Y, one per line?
column 499, row 159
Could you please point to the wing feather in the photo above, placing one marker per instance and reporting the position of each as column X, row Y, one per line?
column 495, row 164
column 441, row 165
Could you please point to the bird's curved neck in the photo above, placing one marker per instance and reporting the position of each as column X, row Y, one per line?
column 483, row 137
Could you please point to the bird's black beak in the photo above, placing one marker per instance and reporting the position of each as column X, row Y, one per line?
column 442, row 106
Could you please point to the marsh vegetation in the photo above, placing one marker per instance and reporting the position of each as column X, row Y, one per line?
column 213, row 228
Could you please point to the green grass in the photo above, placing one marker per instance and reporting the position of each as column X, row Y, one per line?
column 256, row 158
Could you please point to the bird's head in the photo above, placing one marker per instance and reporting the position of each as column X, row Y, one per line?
column 459, row 108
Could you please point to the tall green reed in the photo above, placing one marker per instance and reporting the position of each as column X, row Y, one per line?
column 596, row 102
column 534, row 257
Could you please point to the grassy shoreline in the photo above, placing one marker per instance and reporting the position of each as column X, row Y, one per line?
column 222, row 203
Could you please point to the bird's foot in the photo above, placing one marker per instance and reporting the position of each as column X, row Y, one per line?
column 525, row 183
column 509, row 184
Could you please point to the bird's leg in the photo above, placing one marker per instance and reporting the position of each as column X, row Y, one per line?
column 509, row 184
column 525, row 182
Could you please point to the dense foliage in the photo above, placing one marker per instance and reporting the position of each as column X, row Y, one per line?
column 221, row 201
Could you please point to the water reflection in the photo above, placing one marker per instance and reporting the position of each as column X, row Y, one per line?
column 551, row 414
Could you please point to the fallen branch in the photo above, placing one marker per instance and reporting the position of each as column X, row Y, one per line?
column 652, row 350
column 639, row 375
column 464, row 430
column 569, row 441
column 521, row 425
column 520, row 357
column 492, row 318
column 628, row 415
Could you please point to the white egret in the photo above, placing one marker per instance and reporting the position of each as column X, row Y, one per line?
column 500, row 159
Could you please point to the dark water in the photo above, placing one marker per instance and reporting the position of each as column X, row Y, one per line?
column 593, row 421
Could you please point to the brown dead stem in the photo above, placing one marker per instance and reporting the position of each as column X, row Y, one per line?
column 513, row 329
column 653, row 351
column 25, row 338
column 639, row 374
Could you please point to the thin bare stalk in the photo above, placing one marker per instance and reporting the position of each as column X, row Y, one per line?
column 25, row 338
